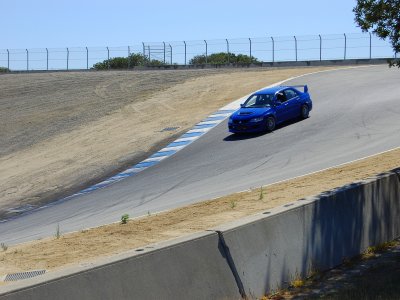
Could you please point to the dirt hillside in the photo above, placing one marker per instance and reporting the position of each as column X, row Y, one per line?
column 64, row 131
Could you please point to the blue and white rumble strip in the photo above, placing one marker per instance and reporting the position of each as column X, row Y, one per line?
column 187, row 138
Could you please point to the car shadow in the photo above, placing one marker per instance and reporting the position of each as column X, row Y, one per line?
column 245, row 136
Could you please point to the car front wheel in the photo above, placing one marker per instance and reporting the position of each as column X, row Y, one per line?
column 270, row 124
column 305, row 111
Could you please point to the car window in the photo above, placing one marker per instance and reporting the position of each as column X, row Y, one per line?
column 257, row 101
column 280, row 97
column 290, row 94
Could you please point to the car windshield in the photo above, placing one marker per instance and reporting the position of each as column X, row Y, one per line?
column 257, row 101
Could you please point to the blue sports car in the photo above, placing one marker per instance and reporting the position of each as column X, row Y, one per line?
column 263, row 110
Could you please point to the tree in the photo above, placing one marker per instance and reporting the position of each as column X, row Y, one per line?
column 133, row 60
column 222, row 58
column 383, row 18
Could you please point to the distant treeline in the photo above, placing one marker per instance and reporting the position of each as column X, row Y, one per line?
column 133, row 60
column 222, row 58
column 138, row 59
column 4, row 70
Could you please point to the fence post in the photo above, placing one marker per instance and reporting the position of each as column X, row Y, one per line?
column 164, row 52
column 206, row 51
column 47, row 59
column 87, row 58
column 67, row 59
column 129, row 54
column 144, row 50
column 320, row 47
column 370, row 45
column 148, row 48
column 227, row 49
column 170, row 48
column 108, row 58
column 345, row 45
column 185, row 51
column 250, row 49
column 8, row 59
column 295, row 46
column 27, row 59
column 273, row 49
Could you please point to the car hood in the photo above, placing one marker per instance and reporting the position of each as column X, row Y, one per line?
column 245, row 113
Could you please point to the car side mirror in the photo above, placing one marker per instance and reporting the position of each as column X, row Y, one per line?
column 241, row 105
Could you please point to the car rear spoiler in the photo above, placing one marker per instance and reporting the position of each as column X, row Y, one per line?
column 303, row 86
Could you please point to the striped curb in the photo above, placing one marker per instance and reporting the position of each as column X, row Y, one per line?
column 184, row 140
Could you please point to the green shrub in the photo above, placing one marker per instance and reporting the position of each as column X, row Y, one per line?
column 57, row 235
column 222, row 58
column 4, row 70
column 133, row 60
column 4, row 246
column 124, row 219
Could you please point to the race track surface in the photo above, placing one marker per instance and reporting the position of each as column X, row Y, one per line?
column 356, row 113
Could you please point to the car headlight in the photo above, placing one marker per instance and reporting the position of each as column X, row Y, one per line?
column 230, row 120
column 259, row 119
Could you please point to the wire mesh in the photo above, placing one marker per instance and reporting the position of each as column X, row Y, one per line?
column 264, row 49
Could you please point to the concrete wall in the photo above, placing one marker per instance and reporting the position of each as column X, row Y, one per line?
column 316, row 232
column 247, row 258
column 277, row 64
column 189, row 268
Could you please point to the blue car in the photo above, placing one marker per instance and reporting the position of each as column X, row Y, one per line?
column 263, row 110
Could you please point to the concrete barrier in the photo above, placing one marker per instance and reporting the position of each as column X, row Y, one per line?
column 276, row 64
column 189, row 268
column 270, row 250
column 247, row 258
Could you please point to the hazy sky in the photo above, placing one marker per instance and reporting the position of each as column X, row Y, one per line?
column 62, row 23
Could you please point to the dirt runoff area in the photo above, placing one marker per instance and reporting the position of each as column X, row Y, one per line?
column 88, row 245
column 61, row 132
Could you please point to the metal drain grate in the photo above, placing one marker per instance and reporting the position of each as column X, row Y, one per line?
column 169, row 129
column 23, row 275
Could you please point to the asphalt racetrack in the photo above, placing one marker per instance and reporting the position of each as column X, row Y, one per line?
column 356, row 113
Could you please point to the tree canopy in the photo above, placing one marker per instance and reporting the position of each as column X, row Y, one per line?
column 222, row 58
column 133, row 60
column 383, row 18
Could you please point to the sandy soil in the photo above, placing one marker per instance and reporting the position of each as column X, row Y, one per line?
column 85, row 246
column 64, row 131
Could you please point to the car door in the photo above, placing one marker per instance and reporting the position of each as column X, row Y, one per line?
column 281, row 111
column 292, row 103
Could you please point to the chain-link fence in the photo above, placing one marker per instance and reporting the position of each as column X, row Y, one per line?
column 264, row 49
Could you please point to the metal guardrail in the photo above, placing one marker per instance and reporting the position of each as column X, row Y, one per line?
column 265, row 49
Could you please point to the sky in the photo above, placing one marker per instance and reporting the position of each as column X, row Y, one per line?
column 72, row 23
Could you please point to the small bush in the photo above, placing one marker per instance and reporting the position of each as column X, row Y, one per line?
column 233, row 204
column 4, row 246
column 298, row 283
column 261, row 194
column 223, row 58
column 124, row 219
column 133, row 60
column 57, row 235
column 4, row 70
